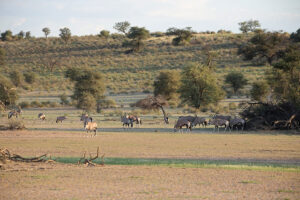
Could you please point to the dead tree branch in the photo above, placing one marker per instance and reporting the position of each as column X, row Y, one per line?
column 88, row 162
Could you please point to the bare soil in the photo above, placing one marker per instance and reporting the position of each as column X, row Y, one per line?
column 70, row 181
column 66, row 181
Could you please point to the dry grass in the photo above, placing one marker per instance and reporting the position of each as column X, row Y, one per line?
column 61, row 181
column 155, row 144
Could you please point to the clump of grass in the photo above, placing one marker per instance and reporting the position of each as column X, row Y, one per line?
column 16, row 124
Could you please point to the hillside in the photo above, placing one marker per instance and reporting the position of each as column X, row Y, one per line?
column 125, row 73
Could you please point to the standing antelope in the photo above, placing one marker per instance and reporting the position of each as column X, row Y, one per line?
column 12, row 113
column 90, row 126
column 60, row 119
column 126, row 121
column 135, row 119
column 236, row 122
column 226, row 117
column 218, row 123
column 15, row 112
column 182, row 122
column 42, row 116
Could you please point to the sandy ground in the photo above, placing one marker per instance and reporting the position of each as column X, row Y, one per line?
column 73, row 182
column 65, row 181
column 153, row 144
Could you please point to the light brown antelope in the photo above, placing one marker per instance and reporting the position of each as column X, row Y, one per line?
column 60, row 119
column 218, row 123
column 90, row 126
column 42, row 116
column 180, row 123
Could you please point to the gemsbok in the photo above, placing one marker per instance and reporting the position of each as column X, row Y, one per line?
column 135, row 119
column 126, row 121
column 42, row 116
column 60, row 119
column 15, row 112
column 90, row 126
column 180, row 123
column 218, row 123
column 236, row 122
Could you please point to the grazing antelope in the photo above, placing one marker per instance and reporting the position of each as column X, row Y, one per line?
column 90, row 126
column 236, row 122
column 15, row 112
column 12, row 113
column 218, row 123
column 195, row 120
column 126, row 121
column 182, row 122
column 226, row 117
column 135, row 119
column 42, row 116
column 60, row 119
column 199, row 120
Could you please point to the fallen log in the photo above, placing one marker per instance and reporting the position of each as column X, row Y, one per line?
column 6, row 155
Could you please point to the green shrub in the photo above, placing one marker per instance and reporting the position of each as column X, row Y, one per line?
column 64, row 99
column 232, row 106
column 35, row 104
column 30, row 77
column 24, row 104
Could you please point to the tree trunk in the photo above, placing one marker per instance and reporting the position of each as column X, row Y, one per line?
column 166, row 119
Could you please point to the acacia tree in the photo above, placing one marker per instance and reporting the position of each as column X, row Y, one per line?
column 122, row 27
column 249, row 26
column 284, row 78
column 104, row 34
column 259, row 91
column 264, row 46
column 46, row 31
column 296, row 36
column 2, row 56
column 89, row 87
column 8, row 92
column 236, row 80
column 154, row 103
column 199, row 86
column 17, row 78
column 183, row 35
column 138, row 35
column 167, row 84
column 65, row 34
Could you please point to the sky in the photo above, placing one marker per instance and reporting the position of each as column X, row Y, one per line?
column 86, row 17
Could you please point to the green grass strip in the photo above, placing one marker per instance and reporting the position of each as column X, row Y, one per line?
column 191, row 163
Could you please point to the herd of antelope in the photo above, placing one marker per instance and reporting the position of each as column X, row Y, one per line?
column 218, row 121
column 229, row 123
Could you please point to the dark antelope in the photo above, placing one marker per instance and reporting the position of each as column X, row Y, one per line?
column 182, row 122
column 15, row 112
column 126, row 121
column 236, row 122
column 60, row 119
column 218, row 123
